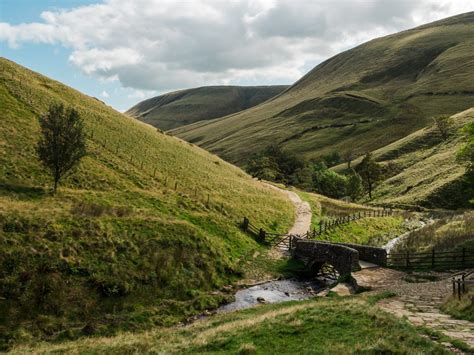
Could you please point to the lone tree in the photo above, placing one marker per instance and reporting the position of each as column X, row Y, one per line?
column 370, row 172
column 443, row 125
column 62, row 143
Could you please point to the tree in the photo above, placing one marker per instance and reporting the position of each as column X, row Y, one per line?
column 443, row 125
column 348, row 156
column 370, row 172
column 62, row 143
column 354, row 186
column 328, row 182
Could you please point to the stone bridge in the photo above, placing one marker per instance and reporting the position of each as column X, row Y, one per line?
column 343, row 257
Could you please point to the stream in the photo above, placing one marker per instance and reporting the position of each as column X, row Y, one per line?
column 275, row 292
column 395, row 241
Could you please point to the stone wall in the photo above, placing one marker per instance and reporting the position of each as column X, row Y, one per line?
column 315, row 253
column 368, row 253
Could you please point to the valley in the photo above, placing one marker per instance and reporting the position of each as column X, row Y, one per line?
column 345, row 226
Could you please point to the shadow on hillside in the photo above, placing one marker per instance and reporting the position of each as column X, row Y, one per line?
column 23, row 191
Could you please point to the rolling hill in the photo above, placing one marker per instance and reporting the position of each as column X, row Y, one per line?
column 359, row 100
column 184, row 107
column 136, row 237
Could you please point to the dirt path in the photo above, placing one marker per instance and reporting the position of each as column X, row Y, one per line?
column 302, row 211
column 419, row 302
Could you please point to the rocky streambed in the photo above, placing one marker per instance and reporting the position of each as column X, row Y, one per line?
column 274, row 292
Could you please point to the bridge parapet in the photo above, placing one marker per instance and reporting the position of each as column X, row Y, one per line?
column 369, row 253
column 316, row 253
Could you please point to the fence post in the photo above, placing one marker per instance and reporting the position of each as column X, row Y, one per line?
column 291, row 239
column 175, row 185
column 463, row 284
column 261, row 235
column 208, row 198
column 245, row 224
column 433, row 258
column 454, row 286
column 459, row 288
column 154, row 172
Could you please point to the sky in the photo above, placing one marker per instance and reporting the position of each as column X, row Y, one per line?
column 123, row 51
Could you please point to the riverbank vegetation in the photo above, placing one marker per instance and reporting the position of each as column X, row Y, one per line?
column 345, row 325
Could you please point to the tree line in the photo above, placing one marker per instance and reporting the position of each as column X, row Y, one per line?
column 276, row 164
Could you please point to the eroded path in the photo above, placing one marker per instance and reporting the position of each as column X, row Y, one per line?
column 418, row 301
column 302, row 211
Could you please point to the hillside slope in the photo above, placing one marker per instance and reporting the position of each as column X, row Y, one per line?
column 359, row 100
column 422, row 168
column 184, row 107
column 136, row 237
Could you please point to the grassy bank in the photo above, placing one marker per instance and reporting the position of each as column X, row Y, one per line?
column 460, row 308
column 372, row 230
column 144, row 233
column 330, row 325
column 445, row 234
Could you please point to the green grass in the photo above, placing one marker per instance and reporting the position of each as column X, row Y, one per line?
column 460, row 308
column 184, row 107
column 445, row 234
column 117, row 247
column 375, row 231
column 422, row 169
column 332, row 325
column 361, row 99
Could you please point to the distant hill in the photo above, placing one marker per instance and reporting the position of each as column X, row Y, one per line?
column 184, row 107
column 136, row 237
column 359, row 100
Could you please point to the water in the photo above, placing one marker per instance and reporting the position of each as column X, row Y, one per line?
column 393, row 242
column 274, row 292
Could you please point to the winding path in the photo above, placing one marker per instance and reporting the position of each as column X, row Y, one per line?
column 302, row 211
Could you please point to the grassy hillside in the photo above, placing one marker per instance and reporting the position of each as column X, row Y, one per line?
column 422, row 168
column 375, row 231
column 144, row 233
column 350, row 325
column 359, row 100
column 184, row 107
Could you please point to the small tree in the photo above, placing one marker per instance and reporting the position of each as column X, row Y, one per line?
column 62, row 143
column 354, row 187
column 348, row 156
column 443, row 125
column 370, row 172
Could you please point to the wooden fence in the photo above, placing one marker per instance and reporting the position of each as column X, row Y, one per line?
column 275, row 239
column 141, row 162
column 440, row 260
column 461, row 282
column 333, row 223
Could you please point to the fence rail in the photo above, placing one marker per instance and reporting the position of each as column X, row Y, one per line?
column 462, row 258
column 275, row 239
column 461, row 282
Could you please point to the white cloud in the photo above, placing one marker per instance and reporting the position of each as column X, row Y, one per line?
column 105, row 94
column 164, row 44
